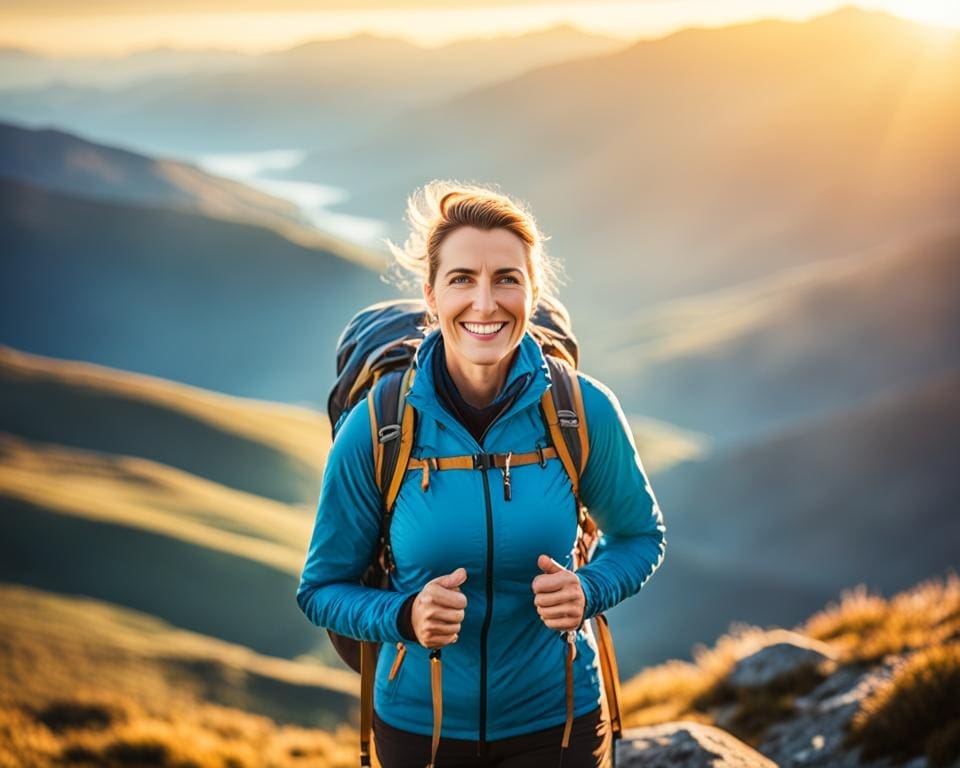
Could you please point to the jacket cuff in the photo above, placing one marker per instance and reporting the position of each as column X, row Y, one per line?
column 405, row 619
column 589, row 608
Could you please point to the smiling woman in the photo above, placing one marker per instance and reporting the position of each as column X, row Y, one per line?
column 502, row 583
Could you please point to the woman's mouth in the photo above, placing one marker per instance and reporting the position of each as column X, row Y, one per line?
column 483, row 330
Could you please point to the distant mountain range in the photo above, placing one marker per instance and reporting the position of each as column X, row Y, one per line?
column 783, row 349
column 697, row 161
column 144, row 265
column 310, row 96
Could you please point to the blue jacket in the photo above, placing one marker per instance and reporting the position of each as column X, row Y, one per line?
column 505, row 675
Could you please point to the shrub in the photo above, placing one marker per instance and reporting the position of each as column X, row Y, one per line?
column 916, row 711
column 61, row 715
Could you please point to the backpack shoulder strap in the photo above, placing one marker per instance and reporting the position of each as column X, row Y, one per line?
column 562, row 406
column 392, row 428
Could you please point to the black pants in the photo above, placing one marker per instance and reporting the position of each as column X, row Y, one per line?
column 589, row 745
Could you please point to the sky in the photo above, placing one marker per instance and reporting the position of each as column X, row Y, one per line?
column 112, row 27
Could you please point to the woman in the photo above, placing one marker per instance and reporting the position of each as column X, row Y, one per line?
column 483, row 575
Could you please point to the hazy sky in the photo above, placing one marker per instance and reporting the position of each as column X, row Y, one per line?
column 69, row 27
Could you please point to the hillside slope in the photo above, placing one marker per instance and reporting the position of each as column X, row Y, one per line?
column 268, row 449
column 62, row 162
column 231, row 307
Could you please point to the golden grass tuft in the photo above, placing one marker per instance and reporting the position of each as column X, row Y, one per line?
column 864, row 628
column 917, row 710
column 680, row 689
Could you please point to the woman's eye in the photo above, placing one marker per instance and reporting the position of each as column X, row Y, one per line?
column 509, row 279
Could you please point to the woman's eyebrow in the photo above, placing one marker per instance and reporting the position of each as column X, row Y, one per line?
column 468, row 271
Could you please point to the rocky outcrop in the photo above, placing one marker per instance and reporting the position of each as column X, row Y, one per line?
column 787, row 656
column 813, row 737
column 686, row 745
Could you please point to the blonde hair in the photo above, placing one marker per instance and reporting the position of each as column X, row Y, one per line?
column 440, row 207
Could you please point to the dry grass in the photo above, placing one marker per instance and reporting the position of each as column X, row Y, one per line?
column 679, row 689
column 865, row 628
column 118, row 732
column 916, row 711
column 86, row 683
column 52, row 644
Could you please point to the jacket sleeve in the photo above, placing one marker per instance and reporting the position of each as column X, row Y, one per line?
column 344, row 542
column 615, row 489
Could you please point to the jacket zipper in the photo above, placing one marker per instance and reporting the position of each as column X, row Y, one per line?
column 482, row 744
column 488, row 614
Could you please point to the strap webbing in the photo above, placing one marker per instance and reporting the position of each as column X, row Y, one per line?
column 436, row 691
column 367, row 663
column 498, row 460
column 571, row 652
column 611, row 676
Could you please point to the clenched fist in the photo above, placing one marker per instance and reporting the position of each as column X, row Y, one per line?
column 438, row 610
column 558, row 595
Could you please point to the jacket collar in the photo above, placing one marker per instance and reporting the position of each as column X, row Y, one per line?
column 529, row 364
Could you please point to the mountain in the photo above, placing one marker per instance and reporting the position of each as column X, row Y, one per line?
column 22, row 69
column 794, row 345
column 313, row 95
column 768, row 530
column 697, row 161
column 232, row 307
column 62, row 162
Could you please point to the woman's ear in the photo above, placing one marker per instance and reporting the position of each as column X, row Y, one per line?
column 430, row 298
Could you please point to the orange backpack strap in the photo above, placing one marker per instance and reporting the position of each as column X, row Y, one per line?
column 368, row 663
column 610, row 673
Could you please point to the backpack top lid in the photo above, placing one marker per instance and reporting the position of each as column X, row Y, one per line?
column 385, row 337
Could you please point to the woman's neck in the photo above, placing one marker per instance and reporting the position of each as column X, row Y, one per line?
column 479, row 385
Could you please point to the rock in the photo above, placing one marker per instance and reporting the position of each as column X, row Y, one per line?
column 787, row 655
column 685, row 745
column 814, row 737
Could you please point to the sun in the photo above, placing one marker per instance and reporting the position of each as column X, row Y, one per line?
column 941, row 13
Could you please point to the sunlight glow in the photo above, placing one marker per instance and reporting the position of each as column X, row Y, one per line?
column 254, row 32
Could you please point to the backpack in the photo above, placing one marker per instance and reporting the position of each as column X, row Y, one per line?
column 375, row 355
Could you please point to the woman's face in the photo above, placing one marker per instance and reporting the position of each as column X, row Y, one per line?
column 482, row 296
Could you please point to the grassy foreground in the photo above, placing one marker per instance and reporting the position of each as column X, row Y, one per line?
column 83, row 701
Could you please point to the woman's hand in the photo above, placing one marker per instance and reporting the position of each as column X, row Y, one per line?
column 438, row 610
column 559, row 596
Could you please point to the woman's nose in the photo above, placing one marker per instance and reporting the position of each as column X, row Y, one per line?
column 483, row 300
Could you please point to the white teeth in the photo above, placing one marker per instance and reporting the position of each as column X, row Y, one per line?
column 483, row 328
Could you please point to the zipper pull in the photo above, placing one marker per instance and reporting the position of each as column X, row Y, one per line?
column 507, row 493
column 401, row 652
